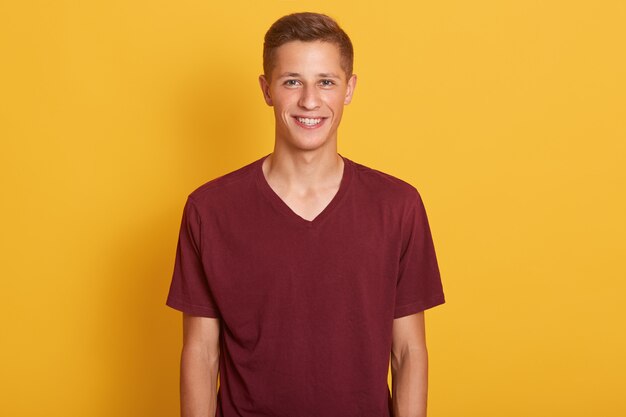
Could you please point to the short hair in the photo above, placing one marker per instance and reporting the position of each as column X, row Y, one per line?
column 307, row 27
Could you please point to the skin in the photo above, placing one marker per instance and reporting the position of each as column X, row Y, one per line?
column 305, row 171
column 306, row 81
column 199, row 366
column 409, row 366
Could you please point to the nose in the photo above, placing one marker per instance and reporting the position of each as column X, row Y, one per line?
column 309, row 98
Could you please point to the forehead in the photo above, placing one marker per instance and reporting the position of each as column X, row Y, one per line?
column 307, row 57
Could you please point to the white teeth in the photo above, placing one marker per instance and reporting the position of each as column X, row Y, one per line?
column 309, row 122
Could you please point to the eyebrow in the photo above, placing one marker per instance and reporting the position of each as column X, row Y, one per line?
column 329, row 75
column 321, row 75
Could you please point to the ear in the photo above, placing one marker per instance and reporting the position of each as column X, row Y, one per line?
column 350, row 89
column 265, row 88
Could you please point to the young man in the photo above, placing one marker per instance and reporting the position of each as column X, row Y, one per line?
column 302, row 272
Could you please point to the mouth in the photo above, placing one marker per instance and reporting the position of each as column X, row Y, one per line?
column 309, row 122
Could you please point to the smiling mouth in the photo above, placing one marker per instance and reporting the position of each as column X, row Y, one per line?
column 309, row 122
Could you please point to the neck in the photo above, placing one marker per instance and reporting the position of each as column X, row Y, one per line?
column 313, row 169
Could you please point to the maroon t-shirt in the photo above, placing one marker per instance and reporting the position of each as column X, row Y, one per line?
column 306, row 307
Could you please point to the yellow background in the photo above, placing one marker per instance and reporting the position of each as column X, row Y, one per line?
column 508, row 116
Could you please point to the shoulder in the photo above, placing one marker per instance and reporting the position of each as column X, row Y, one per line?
column 385, row 186
column 225, row 187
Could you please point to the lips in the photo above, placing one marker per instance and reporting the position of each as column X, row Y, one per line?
column 309, row 122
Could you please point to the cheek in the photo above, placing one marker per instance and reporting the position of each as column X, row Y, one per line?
column 337, row 103
column 285, row 100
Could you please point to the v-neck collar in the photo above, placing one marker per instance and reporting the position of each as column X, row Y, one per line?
column 282, row 207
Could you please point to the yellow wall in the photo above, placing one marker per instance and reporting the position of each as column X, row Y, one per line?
column 509, row 117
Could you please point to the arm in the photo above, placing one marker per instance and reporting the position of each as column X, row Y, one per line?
column 409, row 366
column 199, row 366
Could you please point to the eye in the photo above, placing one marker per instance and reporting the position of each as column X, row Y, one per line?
column 327, row 83
column 291, row 83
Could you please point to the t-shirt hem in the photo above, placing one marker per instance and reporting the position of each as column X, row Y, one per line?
column 191, row 309
column 418, row 306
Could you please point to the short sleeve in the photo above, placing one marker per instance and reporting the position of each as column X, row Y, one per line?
column 418, row 284
column 190, row 290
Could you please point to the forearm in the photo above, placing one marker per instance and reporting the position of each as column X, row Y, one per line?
column 198, row 382
column 409, row 372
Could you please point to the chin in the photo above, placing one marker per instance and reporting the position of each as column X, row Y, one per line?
column 308, row 143
column 308, row 146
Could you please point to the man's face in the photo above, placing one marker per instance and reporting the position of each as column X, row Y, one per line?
column 308, row 89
